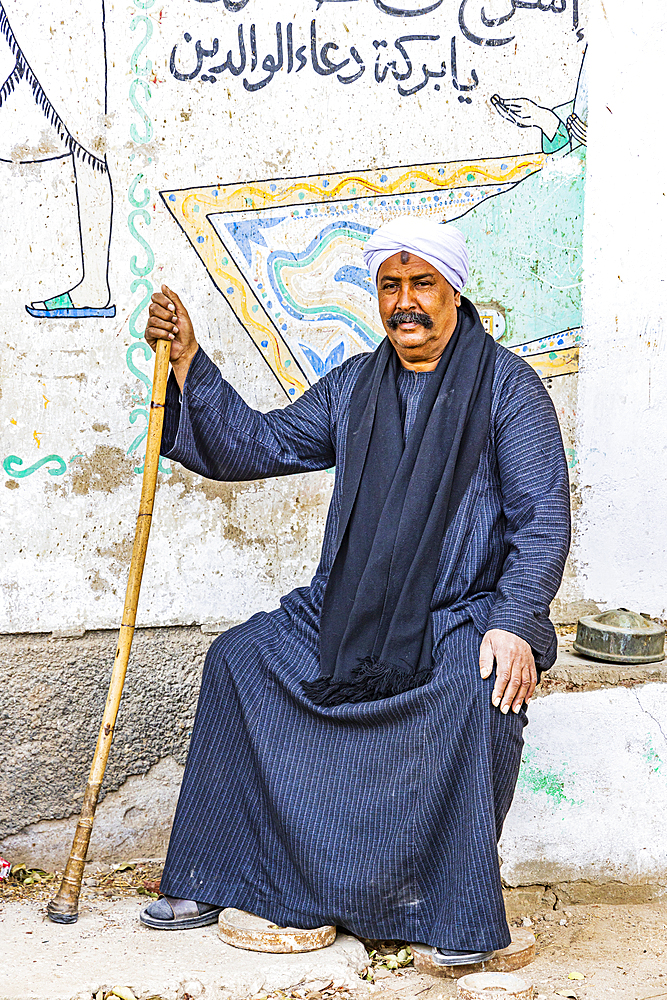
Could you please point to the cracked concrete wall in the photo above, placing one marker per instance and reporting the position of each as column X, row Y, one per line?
column 132, row 822
column 55, row 699
column 588, row 810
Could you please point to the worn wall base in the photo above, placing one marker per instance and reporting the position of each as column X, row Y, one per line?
column 573, row 672
column 591, row 793
column 133, row 822
column 54, row 691
column 587, row 811
column 532, row 900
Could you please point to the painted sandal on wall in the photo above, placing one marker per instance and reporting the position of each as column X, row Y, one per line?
column 62, row 307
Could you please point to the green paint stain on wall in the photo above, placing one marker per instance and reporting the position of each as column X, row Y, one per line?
column 654, row 761
column 547, row 782
column 544, row 781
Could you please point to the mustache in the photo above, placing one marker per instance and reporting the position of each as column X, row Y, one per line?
column 410, row 317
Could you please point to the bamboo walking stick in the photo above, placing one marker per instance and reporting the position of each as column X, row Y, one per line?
column 64, row 909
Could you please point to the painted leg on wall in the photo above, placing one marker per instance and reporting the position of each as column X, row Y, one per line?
column 91, row 296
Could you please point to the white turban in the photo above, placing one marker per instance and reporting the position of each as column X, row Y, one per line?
column 443, row 246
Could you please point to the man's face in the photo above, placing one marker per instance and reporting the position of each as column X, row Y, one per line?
column 417, row 308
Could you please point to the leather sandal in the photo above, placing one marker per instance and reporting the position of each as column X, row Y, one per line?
column 170, row 914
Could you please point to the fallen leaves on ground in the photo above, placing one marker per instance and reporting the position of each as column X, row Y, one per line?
column 385, row 955
column 151, row 886
column 319, row 990
column 117, row 993
column 30, row 876
column 24, row 882
column 125, row 879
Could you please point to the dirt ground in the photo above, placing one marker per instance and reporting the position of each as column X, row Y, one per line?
column 619, row 950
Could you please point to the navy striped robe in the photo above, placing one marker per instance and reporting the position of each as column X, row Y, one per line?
column 381, row 817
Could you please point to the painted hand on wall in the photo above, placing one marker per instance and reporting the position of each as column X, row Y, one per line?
column 577, row 129
column 525, row 113
column 561, row 126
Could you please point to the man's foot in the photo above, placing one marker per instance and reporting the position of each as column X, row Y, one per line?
column 445, row 956
column 170, row 914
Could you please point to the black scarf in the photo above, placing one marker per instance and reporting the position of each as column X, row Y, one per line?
column 398, row 500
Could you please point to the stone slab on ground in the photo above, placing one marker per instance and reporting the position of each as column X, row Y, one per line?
column 108, row 946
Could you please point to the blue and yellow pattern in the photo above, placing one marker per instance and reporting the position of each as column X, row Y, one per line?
column 286, row 255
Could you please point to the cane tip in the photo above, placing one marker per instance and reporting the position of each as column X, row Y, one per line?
column 60, row 917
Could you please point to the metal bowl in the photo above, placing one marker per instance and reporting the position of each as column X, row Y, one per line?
column 620, row 636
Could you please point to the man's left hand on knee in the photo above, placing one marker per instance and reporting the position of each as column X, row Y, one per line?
column 516, row 675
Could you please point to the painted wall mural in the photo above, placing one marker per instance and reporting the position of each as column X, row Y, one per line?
column 72, row 95
column 285, row 252
column 272, row 141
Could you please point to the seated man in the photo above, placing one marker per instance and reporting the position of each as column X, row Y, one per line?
column 355, row 751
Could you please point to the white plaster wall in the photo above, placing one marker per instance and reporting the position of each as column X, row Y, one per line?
column 592, row 793
column 66, row 386
column 622, row 546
